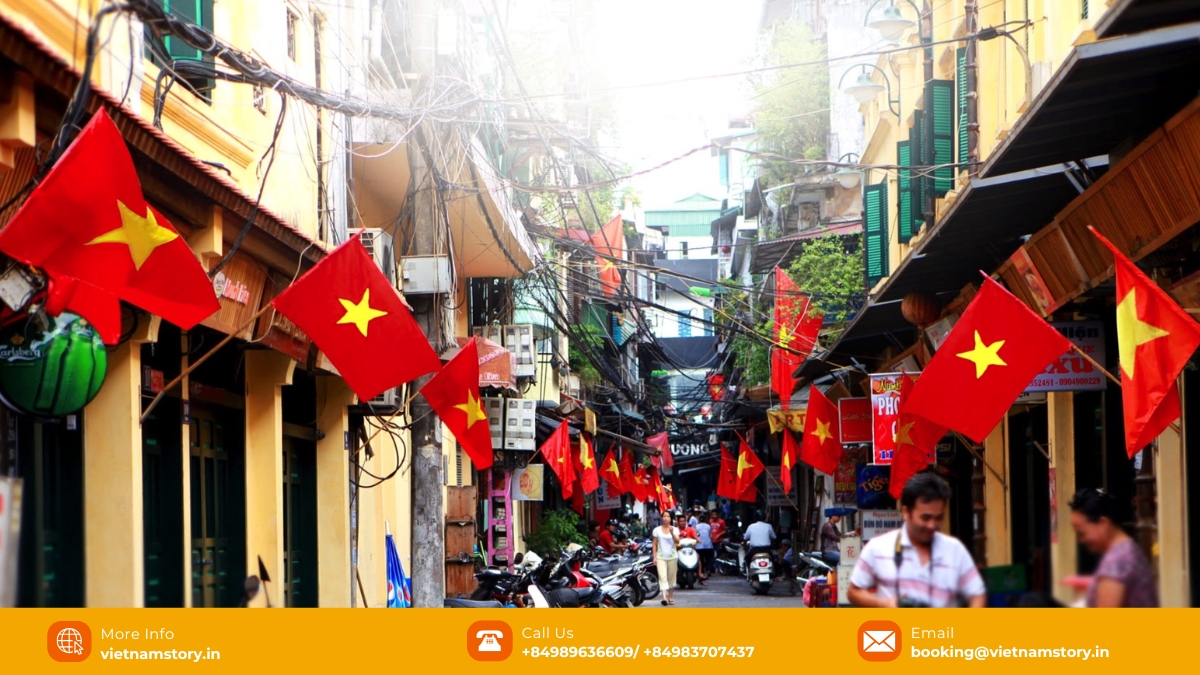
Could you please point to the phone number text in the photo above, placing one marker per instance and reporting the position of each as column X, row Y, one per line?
column 625, row 652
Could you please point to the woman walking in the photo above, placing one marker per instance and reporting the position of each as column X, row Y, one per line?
column 666, row 557
column 1124, row 577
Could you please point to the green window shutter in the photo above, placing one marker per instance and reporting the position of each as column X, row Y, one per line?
column 919, row 152
column 963, row 148
column 199, row 12
column 904, row 188
column 940, row 107
column 1084, row 10
column 875, row 226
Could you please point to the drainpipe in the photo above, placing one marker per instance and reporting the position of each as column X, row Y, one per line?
column 972, row 13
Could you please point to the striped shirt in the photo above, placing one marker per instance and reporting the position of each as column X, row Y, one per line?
column 950, row 578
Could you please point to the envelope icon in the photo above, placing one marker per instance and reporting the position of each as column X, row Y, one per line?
column 879, row 641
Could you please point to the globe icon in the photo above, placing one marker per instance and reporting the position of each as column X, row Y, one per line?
column 70, row 641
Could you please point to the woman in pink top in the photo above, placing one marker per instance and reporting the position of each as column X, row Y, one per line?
column 1124, row 577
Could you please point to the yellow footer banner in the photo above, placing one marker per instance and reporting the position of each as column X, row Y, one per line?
column 924, row 640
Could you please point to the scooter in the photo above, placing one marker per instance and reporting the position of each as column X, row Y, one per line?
column 689, row 563
column 760, row 572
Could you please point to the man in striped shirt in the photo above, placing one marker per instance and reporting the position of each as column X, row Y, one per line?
column 916, row 565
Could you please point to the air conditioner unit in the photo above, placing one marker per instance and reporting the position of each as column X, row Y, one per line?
column 378, row 243
column 385, row 403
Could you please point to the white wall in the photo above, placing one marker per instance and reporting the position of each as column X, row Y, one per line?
column 848, row 35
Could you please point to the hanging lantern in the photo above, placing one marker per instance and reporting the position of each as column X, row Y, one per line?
column 920, row 308
column 51, row 369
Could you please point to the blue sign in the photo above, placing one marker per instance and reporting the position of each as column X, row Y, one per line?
column 873, row 482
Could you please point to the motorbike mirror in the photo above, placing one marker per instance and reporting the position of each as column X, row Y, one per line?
column 518, row 558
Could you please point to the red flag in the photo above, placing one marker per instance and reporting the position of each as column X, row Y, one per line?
column 990, row 356
column 89, row 220
column 557, row 451
column 610, row 470
column 589, row 478
column 783, row 364
column 791, row 454
column 822, row 445
column 797, row 325
column 656, row 490
column 453, row 393
column 101, row 308
column 609, row 242
column 641, row 486
column 749, row 466
column 1156, row 338
column 663, row 445
column 916, row 441
column 628, row 476
column 357, row 318
column 727, row 477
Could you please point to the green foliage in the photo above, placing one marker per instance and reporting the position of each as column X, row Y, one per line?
column 831, row 268
column 557, row 530
column 752, row 356
column 593, row 339
column 791, row 113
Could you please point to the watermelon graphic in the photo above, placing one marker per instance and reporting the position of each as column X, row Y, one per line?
column 55, row 371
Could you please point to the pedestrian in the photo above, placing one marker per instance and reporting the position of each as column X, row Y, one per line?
column 704, row 547
column 665, row 553
column 693, row 521
column 594, row 533
column 636, row 529
column 916, row 565
column 718, row 527
column 831, row 537
column 1124, row 578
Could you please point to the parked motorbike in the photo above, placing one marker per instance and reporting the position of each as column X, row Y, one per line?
column 729, row 553
column 760, row 572
column 689, row 563
column 507, row 588
column 621, row 568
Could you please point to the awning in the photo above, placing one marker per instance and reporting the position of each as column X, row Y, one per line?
column 765, row 255
column 1105, row 93
column 1134, row 16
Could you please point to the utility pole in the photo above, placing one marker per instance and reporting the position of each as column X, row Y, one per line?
column 428, row 511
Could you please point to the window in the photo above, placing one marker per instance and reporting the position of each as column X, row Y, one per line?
column 723, row 161
column 292, row 20
column 875, row 235
column 1083, row 10
column 939, row 104
column 962, row 106
column 683, row 249
column 685, row 325
column 904, row 187
column 173, row 53
column 708, row 317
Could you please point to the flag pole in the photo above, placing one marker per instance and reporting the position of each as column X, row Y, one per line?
column 196, row 364
column 1110, row 376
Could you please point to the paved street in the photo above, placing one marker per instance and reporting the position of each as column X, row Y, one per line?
column 724, row 591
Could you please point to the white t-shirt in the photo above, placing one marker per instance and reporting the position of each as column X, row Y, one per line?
column 760, row 534
column 666, row 542
column 950, row 574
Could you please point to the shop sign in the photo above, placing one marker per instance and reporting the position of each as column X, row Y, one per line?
column 885, row 412
column 873, row 482
column 791, row 419
column 775, row 494
column 10, row 539
column 688, row 449
column 856, row 419
column 1072, row 372
column 877, row 522
column 276, row 330
column 605, row 499
column 529, row 483
column 239, row 289
column 845, row 478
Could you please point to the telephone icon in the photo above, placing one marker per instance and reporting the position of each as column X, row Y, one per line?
column 488, row 641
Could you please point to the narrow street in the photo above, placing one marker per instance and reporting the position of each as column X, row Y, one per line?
column 724, row 591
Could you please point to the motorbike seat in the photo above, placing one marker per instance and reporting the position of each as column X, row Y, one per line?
column 563, row 597
column 492, row 573
column 471, row 604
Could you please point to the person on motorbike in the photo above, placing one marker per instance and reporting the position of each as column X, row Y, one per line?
column 685, row 530
column 760, row 536
column 608, row 541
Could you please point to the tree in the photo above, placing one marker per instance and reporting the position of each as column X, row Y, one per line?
column 830, row 268
column 792, row 111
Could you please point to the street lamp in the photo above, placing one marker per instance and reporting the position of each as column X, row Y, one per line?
column 864, row 90
column 847, row 177
column 891, row 24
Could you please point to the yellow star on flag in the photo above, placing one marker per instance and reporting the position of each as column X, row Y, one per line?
column 984, row 356
column 586, row 451
column 822, row 431
column 903, row 436
column 784, row 337
column 362, row 313
column 612, row 467
column 472, row 407
column 787, row 461
column 141, row 235
column 1132, row 332
column 743, row 464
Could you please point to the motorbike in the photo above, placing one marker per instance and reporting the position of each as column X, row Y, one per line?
column 608, row 566
column 808, row 565
column 689, row 563
column 729, row 553
column 566, row 585
column 760, row 572
column 507, row 588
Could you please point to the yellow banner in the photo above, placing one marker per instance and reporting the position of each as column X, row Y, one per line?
column 792, row 419
column 922, row 640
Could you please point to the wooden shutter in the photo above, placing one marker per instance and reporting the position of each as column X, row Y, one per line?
column 199, row 12
column 939, row 99
column 918, row 149
column 904, row 211
column 875, row 226
column 963, row 147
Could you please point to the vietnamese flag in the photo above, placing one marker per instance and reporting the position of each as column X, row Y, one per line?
column 990, row 356
column 749, row 466
column 656, row 487
column 609, row 242
column 1156, row 338
column 88, row 220
column 628, row 482
column 610, row 470
column 916, row 441
column 663, row 445
column 357, row 318
column 557, row 451
column 791, row 453
column 727, row 478
column 642, row 489
column 589, row 478
column 783, row 364
column 822, row 445
column 453, row 393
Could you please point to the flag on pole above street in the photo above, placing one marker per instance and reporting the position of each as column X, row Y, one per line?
column 916, row 441
column 609, row 242
column 453, row 393
column 822, row 445
column 557, row 451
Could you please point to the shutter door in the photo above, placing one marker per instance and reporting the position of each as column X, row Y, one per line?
column 875, row 232
column 904, row 209
column 963, row 148
column 941, row 96
column 918, row 150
